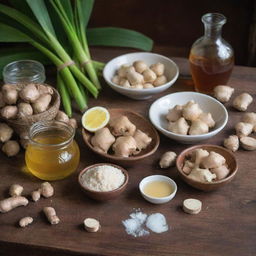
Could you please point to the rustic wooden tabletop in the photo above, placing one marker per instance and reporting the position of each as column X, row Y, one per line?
column 225, row 226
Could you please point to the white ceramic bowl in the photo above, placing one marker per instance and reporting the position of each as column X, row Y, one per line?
column 160, row 107
column 156, row 200
column 171, row 72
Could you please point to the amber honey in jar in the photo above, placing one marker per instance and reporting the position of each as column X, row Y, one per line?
column 52, row 152
column 211, row 57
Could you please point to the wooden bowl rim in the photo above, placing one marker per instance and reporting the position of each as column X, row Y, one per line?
column 130, row 158
column 187, row 150
column 103, row 192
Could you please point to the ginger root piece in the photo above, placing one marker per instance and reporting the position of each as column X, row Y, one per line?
column 102, row 140
column 15, row 190
column 214, row 160
column 188, row 166
column 9, row 112
column 248, row 143
column 24, row 109
column 50, row 214
column 160, row 81
column 137, row 86
column 134, row 77
column 158, row 68
column 122, row 126
column 42, row 103
column 44, row 89
column 242, row 101
column 35, row 195
column 231, row 143
column 250, row 117
column 221, row 172
column 91, row 225
column 168, row 159
column 122, row 71
column 198, row 127
column 191, row 111
column 140, row 66
column 72, row 122
column 207, row 118
column 24, row 222
column 180, row 126
column 46, row 189
column 198, row 155
column 148, row 86
column 115, row 79
column 62, row 117
column 149, row 76
column 142, row 140
column 124, row 146
column 5, row 132
column 243, row 129
column 174, row 113
column 11, row 203
column 11, row 148
column 29, row 93
column 201, row 175
column 223, row 93
column 192, row 206
column 125, row 83
column 10, row 94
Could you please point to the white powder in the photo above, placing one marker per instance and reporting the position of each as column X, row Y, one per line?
column 103, row 178
column 135, row 226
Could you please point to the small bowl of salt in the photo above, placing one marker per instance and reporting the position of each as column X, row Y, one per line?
column 103, row 181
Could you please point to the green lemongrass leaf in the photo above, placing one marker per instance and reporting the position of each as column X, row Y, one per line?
column 22, row 6
column 40, row 11
column 84, row 10
column 66, row 8
column 10, row 34
column 110, row 36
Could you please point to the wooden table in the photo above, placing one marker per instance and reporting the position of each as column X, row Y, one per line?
column 226, row 225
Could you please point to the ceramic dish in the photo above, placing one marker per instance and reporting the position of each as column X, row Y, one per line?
column 157, row 200
column 171, row 72
column 208, row 186
column 141, row 123
column 103, row 196
column 159, row 110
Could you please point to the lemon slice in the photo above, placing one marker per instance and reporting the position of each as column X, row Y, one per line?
column 95, row 118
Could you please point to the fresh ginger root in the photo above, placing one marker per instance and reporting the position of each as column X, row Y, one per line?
column 102, row 140
column 122, row 126
column 168, row 159
column 62, row 117
column 91, row 225
column 42, row 103
column 214, row 160
column 35, row 195
column 29, row 93
column 11, row 203
column 142, row 140
column 248, row 143
column 180, row 126
column 11, row 148
column 25, row 221
column 9, row 112
column 223, row 93
column 221, row 172
column 198, row 155
column 140, row 66
column 124, row 146
column 198, row 127
column 174, row 113
column 191, row 111
column 242, row 101
column 50, row 214
column 243, row 129
column 207, row 119
column 15, row 190
column 24, row 109
column 5, row 132
column 231, row 143
column 201, row 175
column 46, row 189
column 250, row 117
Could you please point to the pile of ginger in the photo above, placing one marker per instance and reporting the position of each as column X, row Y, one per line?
column 204, row 166
column 122, row 137
column 189, row 119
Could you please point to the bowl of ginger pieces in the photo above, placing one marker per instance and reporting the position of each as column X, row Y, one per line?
column 140, row 75
column 206, row 167
column 126, row 139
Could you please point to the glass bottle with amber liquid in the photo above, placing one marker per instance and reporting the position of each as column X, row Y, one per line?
column 211, row 57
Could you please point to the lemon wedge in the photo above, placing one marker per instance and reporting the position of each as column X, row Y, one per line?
column 95, row 118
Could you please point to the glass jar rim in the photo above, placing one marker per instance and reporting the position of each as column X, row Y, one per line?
column 46, row 125
column 214, row 19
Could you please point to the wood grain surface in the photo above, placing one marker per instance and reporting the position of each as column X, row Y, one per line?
column 225, row 226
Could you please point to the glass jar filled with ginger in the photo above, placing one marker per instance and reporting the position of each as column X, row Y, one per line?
column 52, row 152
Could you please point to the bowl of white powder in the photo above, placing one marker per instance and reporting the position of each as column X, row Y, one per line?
column 103, row 181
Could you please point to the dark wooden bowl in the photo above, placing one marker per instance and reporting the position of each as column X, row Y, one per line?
column 142, row 124
column 206, row 186
column 103, row 196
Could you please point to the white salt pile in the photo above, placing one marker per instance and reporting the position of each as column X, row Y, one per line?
column 135, row 226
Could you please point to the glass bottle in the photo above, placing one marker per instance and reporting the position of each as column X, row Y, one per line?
column 211, row 57
column 24, row 71
column 52, row 152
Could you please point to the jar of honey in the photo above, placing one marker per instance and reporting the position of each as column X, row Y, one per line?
column 52, row 152
column 211, row 57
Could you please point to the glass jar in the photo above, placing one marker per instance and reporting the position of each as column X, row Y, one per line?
column 24, row 71
column 211, row 57
column 52, row 152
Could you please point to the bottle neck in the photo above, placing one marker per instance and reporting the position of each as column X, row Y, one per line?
column 212, row 31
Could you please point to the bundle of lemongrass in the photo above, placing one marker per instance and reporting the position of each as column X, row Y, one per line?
column 58, row 29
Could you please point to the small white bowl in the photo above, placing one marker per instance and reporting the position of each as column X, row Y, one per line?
column 157, row 200
column 160, row 107
column 171, row 72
